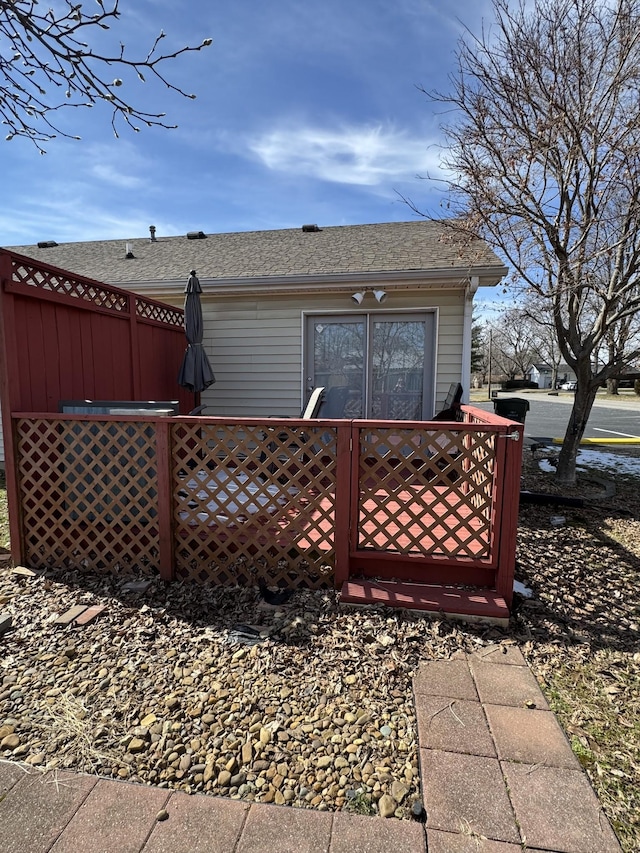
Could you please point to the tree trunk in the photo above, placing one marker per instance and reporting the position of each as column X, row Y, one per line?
column 582, row 405
column 612, row 387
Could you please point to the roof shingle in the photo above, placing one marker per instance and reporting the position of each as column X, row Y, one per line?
column 337, row 250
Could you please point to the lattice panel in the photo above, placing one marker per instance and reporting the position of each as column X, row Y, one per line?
column 254, row 503
column 426, row 492
column 166, row 314
column 89, row 494
column 101, row 296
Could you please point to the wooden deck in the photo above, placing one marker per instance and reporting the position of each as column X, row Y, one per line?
column 212, row 500
column 450, row 601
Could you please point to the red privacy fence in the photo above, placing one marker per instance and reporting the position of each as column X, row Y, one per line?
column 69, row 337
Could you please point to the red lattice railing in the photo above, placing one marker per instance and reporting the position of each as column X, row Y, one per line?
column 89, row 494
column 98, row 295
column 290, row 502
column 101, row 296
column 426, row 491
column 254, row 502
column 165, row 314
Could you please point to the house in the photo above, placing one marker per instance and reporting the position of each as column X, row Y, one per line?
column 381, row 313
column 543, row 375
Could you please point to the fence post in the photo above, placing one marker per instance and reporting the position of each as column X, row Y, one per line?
column 510, row 473
column 342, row 530
column 165, row 498
column 10, row 396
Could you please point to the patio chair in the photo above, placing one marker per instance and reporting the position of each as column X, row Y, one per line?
column 334, row 402
column 314, row 403
column 309, row 412
column 451, row 409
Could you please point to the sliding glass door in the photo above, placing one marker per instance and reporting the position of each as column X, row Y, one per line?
column 372, row 365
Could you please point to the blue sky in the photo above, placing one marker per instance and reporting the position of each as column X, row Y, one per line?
column 305, row 113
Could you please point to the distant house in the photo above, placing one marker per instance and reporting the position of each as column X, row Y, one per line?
column 380, row 312
column 543, row 375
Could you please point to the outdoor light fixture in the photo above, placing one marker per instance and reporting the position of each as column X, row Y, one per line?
column 380, row 295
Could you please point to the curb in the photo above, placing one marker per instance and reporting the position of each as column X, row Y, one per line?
column 614, row 441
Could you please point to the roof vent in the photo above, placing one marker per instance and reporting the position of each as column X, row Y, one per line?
column 310, row 228
column 196, row 235
column 152, row 234
column 47, row 244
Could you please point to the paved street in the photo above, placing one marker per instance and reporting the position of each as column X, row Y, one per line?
column 548, row 416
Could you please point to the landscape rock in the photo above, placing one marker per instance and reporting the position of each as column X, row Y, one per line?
column 285, row 721
column 387, row 806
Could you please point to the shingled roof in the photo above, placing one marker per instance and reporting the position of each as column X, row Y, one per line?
column 289, row 253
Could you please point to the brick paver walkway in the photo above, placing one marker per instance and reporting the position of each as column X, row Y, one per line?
column 497, row 774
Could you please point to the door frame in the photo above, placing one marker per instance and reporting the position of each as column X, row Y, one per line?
column 431, row 318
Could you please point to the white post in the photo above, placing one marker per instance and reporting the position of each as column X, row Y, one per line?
column 465, row 373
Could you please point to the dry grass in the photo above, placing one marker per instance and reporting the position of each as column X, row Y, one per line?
column 76, row 733
column 581, row 631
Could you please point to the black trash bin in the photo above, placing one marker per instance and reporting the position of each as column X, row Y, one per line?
column 514, row 408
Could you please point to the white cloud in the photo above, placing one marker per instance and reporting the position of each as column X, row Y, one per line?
column 75, row 218
column 118, row 163
column 365, row 155
column 111, row 174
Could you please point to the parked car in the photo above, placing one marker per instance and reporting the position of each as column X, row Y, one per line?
column 568, row 386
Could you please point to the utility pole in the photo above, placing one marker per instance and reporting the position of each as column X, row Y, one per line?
column 490, row 362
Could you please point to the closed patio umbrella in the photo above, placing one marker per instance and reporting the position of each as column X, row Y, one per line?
column 195, row 373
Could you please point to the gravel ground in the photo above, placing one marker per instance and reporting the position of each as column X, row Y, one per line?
column 309, row 703
column 213, row 690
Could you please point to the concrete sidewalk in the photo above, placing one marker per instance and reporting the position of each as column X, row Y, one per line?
column 497, row 774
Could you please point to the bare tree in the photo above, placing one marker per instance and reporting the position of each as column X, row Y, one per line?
column 545, row 341
column 51, row 60
column 514, row 343
column 544, row 150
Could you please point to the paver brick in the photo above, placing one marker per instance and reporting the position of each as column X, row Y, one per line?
column 71, row 614
column 116, row 817
column 359, row 834
column 445, row 678
column 530, row 736
column 90, row 614
column 453, row 725
column 466, row 794
column 289, row 830
column 507, row 685
column 198, row 824
column 38, row 808
column 558, row 810
column 454, row 842
column 10, row 774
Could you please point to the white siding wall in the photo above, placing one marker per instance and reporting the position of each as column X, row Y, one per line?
column 255, row 347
